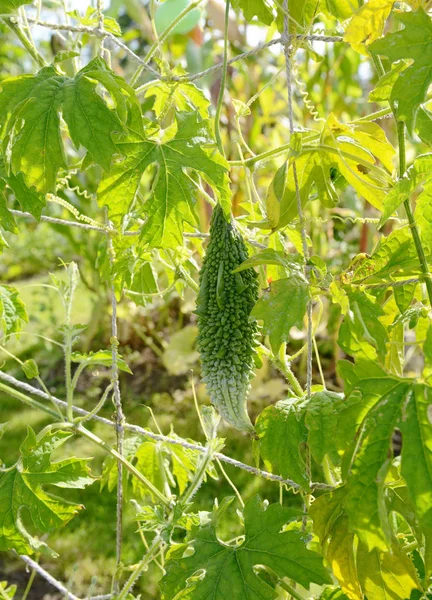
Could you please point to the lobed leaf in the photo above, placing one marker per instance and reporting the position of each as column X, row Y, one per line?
column 23, row 495
column 30, row 107
column 411, row 42
column 229, row 570
column 171, row 202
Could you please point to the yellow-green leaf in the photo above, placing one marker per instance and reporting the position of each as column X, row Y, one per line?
column 368, row 23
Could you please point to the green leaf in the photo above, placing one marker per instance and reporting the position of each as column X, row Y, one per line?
column 229, row 570
column 311, row 169
column 281, row 307
column 184, row 463
column 169, row 10
column 23, row 495
column 321, row 420
column 100, row 357
column 412, row 42
column 351, row 150
column 423, row 125
column 275, row 194
column 342, row 9
column 302, row 12
column 171, row 201
column 356, row 149
column 182, row 95
column 109, row 470
column 404, row 295
column 292, row 263
column 30, row 368
column 394, row 257
column 12, row 310
column 333, row 593
column 365, row 503
column 7, row 592
column 7, row 220
column 156, row 461
column 144, row 281
column 149, row 461
column 382, row 90
column 365, row 383
column 423, row 216
column 389, row 575
column 419, row 172
column 36, row 101
column 331, row 526
column 282, row 435
column 341, row 557
column 379, row 574
column 417, row 450
column 8, row 7
column 255, row 8
column 386, row 402
column 30, row 200
column 427, row 350
column 91, row 19
column 361, row 331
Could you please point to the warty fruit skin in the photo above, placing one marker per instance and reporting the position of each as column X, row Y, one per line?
column 227, row 336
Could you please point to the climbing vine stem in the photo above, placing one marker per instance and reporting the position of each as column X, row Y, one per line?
column 222, row 82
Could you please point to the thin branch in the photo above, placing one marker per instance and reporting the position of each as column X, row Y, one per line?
column 100, row 33
column 253, row 51
column 289, row 51
column 222, row 82
column 141, row 566
column 19, row 213
column 101, row 229
column 153, row 49
column 157, row 437
column 15, row 26
column 104, row 34
column 119, row 419
column 36, row 567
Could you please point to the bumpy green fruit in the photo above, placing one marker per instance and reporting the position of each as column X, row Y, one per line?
column 226, row 339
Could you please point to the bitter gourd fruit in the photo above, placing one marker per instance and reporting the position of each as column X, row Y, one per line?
column 226, row 335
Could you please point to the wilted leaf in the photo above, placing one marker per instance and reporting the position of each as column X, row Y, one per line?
column 368, row 23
